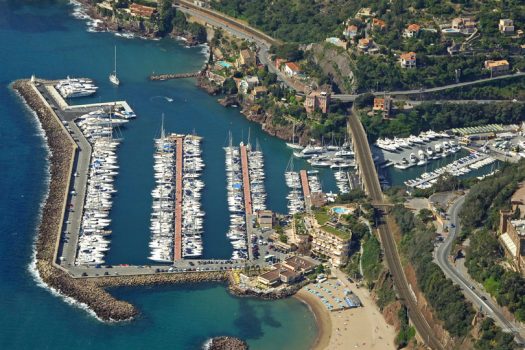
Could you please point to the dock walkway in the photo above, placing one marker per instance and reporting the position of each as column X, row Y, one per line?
column 177, row 246
column 306, row 189
column 246, row 181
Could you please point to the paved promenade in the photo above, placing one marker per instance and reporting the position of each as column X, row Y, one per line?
column 246, row 181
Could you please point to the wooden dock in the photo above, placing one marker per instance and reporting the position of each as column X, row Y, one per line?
column 177, row 246
column 246, row 181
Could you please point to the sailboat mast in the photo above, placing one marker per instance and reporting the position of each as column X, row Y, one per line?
column 115, row 60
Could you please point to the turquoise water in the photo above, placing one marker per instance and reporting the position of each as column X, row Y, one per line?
column 48, row 42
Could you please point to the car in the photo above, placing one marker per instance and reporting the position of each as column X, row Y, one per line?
column 483, row 297
column 452, row 225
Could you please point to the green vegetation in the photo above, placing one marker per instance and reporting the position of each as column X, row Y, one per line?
column 442, row 117
column 492, row 338
column 338, row 230
column 296, row 21
column 371, row 259
column 406, row 332
column 322, row 216
column 446, row 299
column 485, row 199
column 484, row 256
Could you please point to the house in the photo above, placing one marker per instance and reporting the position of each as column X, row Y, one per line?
column 408, row 60
column 364, row 12
column 465, row 25
column 258, row 92
column 412, row 30
column 141, row 11
column 506, row 26
column 365, row 44
column 291, row 69
column 246, row 59
column 383, row 104
column 378, row 24
column 317, row 101
column 247, row 83
column 496, row 67
column 265, row 218
column 351, row 31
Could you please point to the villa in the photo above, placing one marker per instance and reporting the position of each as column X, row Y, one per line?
column 412, row 30
column 506, row 26
column 496, row 67
column 408, row 60
column 291, row 69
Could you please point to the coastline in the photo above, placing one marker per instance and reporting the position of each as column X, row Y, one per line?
column 322, row 318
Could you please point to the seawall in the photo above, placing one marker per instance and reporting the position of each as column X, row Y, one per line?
column 90, row 292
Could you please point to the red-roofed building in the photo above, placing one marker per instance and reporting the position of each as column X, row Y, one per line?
column 408, row 60
column 351, row 31
column 137, row 10
column 412, row 30
column 378, row 23
column 291, row 69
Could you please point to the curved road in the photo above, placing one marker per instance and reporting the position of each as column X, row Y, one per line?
column 369, row 177
column 350, row 98
column 481, row 299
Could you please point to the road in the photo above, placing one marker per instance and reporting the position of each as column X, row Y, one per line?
column 477, row 296
column 370, row 180
column 351, row 98
column 240, row 30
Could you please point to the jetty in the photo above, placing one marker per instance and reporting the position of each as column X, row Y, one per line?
column 177, row 247
column 246, row 181
column 161, row 77
column 306, row 189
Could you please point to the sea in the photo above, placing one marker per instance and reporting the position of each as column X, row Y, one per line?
column 52, row 40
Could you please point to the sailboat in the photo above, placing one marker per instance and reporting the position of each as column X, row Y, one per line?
column 113, row 76
column 292, row 144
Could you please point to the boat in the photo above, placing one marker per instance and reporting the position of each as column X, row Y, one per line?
column 292, row 144
column 113, row 76
column 402, row 164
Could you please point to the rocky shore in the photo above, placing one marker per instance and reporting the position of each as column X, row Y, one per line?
column 226, row 343
column 272, row 295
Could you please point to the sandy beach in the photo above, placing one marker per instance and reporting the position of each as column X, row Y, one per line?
column 359, row 328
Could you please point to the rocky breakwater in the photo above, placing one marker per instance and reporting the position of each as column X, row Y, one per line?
column 88, row 291
column 226, row 343
column 272, row 294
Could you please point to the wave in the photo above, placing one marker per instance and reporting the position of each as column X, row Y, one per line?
column 207, row 344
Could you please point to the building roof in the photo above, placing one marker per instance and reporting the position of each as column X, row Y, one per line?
column 296, row 262
column 246, row 54
column 293, row 66
column 289, row 273
column 352, row 28
column 364, row 42
column 272, row 275
column 408, row 56
column 509, row 243
column 141, row 10
column 493, row 64
column 376, row 22
column 414, row 27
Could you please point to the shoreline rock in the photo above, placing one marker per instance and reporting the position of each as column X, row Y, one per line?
column 226, row 343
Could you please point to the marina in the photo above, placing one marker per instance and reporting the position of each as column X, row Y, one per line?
column 295, row 197
column 457, row 168
column 98, row 128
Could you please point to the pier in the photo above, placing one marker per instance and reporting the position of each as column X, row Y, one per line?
column 177, row 244
column 161, row 77
column 246, row 181
column 306, row 189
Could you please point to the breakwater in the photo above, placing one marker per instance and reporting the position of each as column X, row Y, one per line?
column 156, row 77
column 90, row 292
